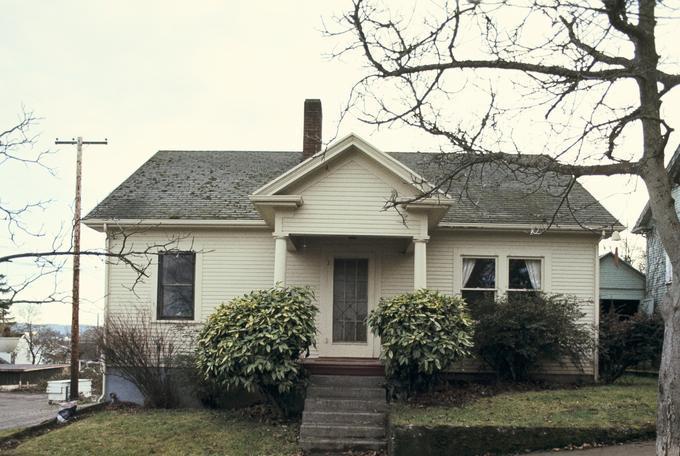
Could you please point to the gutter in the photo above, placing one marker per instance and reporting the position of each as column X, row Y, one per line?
column 101, row 225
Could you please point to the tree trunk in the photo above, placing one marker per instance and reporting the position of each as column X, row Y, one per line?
column 668, row 409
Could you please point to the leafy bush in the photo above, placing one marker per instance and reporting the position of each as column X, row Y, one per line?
column 255, row 342
column 627, row 342
column 513, row 335
column 151, row 356
column 422, row 333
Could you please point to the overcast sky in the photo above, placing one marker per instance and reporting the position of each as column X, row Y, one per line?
column 175, row 75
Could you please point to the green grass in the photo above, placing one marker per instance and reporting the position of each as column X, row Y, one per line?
column 6, row 432
column 631, row 403
column 163, row 432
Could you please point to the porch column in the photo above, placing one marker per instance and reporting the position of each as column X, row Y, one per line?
column 280, row 250
column 420, row 262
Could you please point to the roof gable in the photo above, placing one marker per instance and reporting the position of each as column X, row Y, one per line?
column 608, row 259
column 349, row 144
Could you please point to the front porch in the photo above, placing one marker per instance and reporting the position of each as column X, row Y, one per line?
column 349, row 276
column 333, row 232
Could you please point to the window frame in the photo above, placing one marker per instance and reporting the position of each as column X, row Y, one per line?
column 495, row 289
column 159, row 286
column 526, row 290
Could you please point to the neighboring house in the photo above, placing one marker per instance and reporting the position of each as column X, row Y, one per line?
column 245, row 220
column 659, row 269
column 622, row 286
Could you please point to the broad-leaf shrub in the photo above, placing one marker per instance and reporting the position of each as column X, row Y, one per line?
column 513, row 335
column 421, row 333
column 625, row 342
column 255, row 342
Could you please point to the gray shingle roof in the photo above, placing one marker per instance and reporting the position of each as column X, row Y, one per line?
column 215, row 185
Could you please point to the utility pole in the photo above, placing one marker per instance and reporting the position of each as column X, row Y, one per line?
column 75, row 310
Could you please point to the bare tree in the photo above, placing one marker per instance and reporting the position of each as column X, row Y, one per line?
column 18, row 145
column 149, row 355
column 28, row 314
column 582, row 79
column 52, row 346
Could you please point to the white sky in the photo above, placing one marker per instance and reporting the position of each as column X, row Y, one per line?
column 175, row 75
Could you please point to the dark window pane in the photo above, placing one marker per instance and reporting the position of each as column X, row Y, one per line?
column 178, row 268
column 176, row 285
column 483, row 274
column 476, row 297
column 520, row 278
column 178, row 301
column 350, row 300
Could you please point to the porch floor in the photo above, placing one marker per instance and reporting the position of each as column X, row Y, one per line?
column 344, row 366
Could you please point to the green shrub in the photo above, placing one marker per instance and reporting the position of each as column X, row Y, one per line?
column 255, row 341
column 627, row 342
column 514, row 335
column 421, row 333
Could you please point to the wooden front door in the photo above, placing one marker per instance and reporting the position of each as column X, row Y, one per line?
column 348, row 298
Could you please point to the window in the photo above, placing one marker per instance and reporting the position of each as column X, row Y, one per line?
column 524, row 276
column 176, row 285
column 669, row 270
column 479, row 280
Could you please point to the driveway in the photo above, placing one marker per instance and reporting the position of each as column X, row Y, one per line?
column 631, row 449
column 24, row 409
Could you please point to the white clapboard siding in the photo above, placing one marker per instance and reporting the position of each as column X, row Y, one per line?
column 348, row 197
column 231, row 262
column 569, row 268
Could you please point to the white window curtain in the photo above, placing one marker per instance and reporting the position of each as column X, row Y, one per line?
column 669, row 270
column 468, row 267
column 534, row 269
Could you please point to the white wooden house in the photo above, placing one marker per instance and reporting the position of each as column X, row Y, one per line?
column 246, row 220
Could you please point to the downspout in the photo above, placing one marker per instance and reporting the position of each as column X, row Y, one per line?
column 106, row 308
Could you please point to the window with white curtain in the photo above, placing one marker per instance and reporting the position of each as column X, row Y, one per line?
column 479, row 280
column 524, row 276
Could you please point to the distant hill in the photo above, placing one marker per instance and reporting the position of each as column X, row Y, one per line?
column 62, row 329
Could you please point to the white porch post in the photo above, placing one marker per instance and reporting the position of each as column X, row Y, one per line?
column 419, row 262
column 280, row 250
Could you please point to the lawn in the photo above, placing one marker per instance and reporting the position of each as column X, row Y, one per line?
column 629, row 403
column 131, row 432
column 6, row 432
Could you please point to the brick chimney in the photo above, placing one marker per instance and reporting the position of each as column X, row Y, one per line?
column 311, row 135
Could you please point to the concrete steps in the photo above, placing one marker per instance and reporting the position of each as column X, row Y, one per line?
column 344, row 413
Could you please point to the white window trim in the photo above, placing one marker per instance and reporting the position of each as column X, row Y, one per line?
column 481, row 257
column 668, row 270
column 526, row 257
column 198, row 293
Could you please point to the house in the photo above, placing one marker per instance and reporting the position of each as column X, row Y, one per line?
column 659, row 271
column 622, row 286
column 245, row 220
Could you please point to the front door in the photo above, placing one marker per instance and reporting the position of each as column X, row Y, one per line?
column 346, row 302
column 350, row 300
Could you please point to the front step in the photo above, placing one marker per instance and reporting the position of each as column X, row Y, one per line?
column 334, row 392
column 316, row 404
column 351, row 381
column 324, row 446
column 339, row 418
column 333, row 430
column 344, row 413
